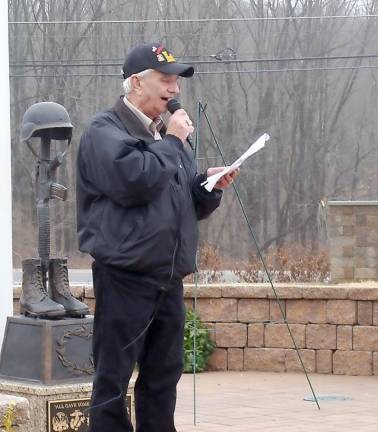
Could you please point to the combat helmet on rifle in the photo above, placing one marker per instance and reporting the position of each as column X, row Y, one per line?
column 47, row 121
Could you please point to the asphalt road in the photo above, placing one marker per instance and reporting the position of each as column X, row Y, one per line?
column 84, row 276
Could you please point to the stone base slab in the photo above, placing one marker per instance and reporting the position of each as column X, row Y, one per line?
column 55, row 407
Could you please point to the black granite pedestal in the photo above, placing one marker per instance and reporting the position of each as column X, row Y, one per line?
column 47, row 352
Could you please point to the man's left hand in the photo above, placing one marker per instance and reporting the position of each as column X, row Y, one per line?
column 225, row 181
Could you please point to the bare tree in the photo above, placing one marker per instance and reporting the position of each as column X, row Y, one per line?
column 307, row 82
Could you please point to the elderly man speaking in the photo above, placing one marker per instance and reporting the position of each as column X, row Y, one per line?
column 139, row 198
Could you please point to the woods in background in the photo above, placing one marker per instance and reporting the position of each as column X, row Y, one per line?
column 310, row 83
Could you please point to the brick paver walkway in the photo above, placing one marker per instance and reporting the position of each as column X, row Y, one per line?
column 270, row 402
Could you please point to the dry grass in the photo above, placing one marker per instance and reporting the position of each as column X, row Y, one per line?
column 291, row 263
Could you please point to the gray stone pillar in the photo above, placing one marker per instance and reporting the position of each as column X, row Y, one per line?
column 353, row 238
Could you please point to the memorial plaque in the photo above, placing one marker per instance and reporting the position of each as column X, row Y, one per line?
column 72, row 415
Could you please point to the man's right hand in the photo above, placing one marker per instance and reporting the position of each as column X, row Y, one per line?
column 180, row 125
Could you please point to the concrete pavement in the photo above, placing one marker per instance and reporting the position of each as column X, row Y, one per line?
column 270, row 402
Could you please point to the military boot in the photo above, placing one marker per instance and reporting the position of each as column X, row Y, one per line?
column 34, row 300
column 60, row 289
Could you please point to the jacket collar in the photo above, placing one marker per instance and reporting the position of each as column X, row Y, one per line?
column 132, row 123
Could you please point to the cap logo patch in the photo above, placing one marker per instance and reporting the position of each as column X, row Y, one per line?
column 163, row 55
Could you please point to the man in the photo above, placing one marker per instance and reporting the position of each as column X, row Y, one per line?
column 139, row 199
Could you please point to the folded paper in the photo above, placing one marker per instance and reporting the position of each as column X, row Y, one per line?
column 211, row 181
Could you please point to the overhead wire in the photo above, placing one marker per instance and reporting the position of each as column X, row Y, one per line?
column 56, row 63
column 196, row 20
column 225, row 72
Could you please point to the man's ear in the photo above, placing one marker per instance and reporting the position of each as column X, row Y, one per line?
column 135, row 84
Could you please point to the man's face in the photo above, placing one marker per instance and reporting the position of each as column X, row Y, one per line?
column 154, row 91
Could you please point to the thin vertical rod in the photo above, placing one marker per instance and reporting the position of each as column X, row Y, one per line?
column 196, row 154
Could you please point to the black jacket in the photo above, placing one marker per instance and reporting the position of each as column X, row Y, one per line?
column 138, row 200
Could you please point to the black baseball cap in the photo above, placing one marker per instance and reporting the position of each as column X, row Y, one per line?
column 154, row 56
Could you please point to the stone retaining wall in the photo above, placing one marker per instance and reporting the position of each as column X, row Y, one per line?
column 334, row 326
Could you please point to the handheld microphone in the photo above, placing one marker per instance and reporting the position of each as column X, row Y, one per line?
column 173, row 105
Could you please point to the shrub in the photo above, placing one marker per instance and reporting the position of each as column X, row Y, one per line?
column 8, row 418
column 194, row 328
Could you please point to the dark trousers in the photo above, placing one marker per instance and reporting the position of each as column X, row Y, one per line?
column 123, row 309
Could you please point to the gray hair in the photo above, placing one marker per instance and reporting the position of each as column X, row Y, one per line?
column 127, row 87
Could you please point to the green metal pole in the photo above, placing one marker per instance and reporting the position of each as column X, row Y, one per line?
column 259, row 253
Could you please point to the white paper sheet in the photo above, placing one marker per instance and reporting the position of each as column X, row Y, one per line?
column 210, row 182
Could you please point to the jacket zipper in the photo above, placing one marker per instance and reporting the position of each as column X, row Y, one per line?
column 177, row 231
column 173, row 260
